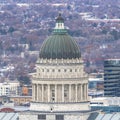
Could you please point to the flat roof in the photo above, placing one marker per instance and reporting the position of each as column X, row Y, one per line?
column 96, row 79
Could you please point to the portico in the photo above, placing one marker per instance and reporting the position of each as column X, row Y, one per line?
column 60, row 92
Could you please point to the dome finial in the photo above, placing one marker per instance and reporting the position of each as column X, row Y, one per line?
column 59, row 18
column 59, row 14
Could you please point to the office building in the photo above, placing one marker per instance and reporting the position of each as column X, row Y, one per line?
column 112, row 78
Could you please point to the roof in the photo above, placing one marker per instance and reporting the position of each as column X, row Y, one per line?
column 60, row 45
column 96, row 79
column 8, row 116
column 59, row 18
column 13, row 108
column 109, row 116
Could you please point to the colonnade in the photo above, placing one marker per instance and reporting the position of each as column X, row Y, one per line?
column 60, row 92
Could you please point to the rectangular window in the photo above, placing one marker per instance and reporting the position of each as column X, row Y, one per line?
column 53, row 93
column 65, row 93
column 41, row 117
column 59, row 117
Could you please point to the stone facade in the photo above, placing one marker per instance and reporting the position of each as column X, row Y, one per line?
column 53, row 116
column 59, row 107
column 60, row 84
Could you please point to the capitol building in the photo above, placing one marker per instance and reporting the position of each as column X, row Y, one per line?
column 60, row 84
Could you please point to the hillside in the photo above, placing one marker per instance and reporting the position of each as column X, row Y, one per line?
column 94, row 24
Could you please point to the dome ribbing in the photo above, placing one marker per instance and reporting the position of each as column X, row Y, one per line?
column 59, row 45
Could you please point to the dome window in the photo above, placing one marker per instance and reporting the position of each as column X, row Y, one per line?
column 75, row 70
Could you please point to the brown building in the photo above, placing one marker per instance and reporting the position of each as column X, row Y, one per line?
column 21, row 100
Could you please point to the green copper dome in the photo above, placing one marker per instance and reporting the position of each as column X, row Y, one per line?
column 59, row 45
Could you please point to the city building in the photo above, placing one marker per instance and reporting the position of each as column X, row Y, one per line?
column 96, row 84
column 21, row 100
column 96, row 87
column 26, row 90
column 60, row 84
column 112, row 78
column 9, row 88
column 105, row 101
column 4, row 99
column 8, row 115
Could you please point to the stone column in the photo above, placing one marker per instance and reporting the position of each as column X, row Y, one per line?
column 55, row 92
column 69, row 92
column 48, row 93
column 33, row 92
column 86, row 92
column 62, row 92
column 37, row 92
column 83, row 91
column 42, row 93
column 76, row 93
column 81, row 97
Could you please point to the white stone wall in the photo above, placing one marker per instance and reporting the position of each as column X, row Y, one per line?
column 60, row 107
column 56, row 69
column 57, row 76
column 78, row 116
column 28, row 116
column 50, row 117
column 9, row 88
column 67, row 78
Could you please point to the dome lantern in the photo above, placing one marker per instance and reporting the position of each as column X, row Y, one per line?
column 59, row 22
